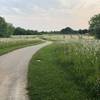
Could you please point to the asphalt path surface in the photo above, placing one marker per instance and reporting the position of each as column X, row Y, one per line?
column 13, row 72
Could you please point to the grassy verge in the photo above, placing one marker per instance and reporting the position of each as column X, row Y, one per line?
column 8, row 46
column 65, row 72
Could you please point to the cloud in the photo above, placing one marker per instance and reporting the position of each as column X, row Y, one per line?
column 68, row 4
column 49, row 14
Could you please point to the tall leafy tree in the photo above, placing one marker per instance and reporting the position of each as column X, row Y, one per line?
column 3, row 27
column 95, row 26
column 6, row 29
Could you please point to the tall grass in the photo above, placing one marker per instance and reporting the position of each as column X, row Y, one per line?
column 82, row 62
column 7, row 45
column 68, row 71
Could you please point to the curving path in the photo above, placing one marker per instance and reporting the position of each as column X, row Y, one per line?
column 13, row 72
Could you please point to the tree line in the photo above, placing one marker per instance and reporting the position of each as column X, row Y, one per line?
column 7, row 29
column 22, row 31
column 69, row 30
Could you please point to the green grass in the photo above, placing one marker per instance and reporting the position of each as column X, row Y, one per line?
column 65, row 72
column 8, row 46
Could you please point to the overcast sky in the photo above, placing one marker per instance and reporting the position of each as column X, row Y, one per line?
column 49, row 14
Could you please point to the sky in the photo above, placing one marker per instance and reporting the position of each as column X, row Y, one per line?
column 49, row 14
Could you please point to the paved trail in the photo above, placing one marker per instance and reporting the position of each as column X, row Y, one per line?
column 13, row 72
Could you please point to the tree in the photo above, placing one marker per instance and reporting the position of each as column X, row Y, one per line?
column 19, row 31
column 3, row 27
column 10, row 29
column 84, row 31
column 95, row 26
column 31, row 32
column 6, row 29
column 68, row 30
